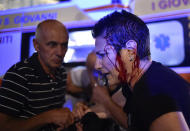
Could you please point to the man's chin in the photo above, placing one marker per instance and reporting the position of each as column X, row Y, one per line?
column 112, row 86
column 56, row 65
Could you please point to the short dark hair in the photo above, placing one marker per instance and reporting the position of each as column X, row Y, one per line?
column 121, row 27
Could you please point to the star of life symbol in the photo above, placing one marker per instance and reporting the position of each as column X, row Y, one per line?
column 162, row 42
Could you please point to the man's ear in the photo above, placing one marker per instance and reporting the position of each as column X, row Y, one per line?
column 36, row 45
column 131, row 45
column 128, row 53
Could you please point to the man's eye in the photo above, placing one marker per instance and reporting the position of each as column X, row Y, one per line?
column 65, row 45
column 100, row 55
column 52, row 44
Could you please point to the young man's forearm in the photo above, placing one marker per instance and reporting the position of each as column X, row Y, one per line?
column 117, row 112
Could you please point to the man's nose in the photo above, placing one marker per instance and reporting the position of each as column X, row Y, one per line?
column 98, row 64
column 61, row 51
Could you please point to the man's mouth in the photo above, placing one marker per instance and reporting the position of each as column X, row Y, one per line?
column 102, row 79
column 58, row 61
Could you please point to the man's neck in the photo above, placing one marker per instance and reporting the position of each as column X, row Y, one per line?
column 48, row 70
column 143, row 67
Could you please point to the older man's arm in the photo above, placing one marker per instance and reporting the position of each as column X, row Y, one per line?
column 61, row 117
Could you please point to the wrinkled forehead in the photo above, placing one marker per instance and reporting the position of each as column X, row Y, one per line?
column 59, row 35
